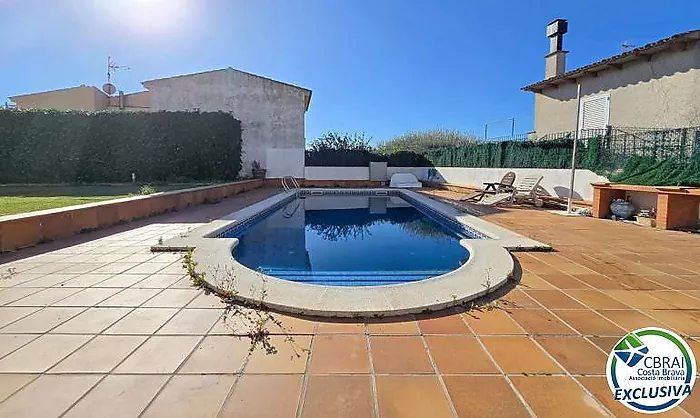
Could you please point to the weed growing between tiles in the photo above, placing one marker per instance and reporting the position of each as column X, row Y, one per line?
column 254, row 317
column 8, row 274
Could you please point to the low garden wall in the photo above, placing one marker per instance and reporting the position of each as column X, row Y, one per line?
column 27, row 229
column 555, row 182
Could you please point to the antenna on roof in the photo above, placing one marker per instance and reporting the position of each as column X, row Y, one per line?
column 112, row 67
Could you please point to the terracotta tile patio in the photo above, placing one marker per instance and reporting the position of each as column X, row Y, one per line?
column 99, row 326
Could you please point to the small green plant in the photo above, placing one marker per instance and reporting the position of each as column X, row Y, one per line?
column 11, row 271
column 146, row 189
column 253, row 316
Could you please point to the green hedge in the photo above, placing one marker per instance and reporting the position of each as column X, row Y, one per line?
column 362, row 158
column 67, row 147
column 513, row 154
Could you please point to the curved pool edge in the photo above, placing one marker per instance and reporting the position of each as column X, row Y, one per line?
column 488, row 268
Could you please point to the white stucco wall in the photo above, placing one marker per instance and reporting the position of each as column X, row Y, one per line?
column 555, row 182
column 271, row 113
column 661, row 92
column 336, row 173
column 285, row 162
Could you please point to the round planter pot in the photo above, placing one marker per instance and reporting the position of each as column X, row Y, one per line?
column 622, row 210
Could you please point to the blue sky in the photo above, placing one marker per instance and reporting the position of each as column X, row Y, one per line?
column 382, row 67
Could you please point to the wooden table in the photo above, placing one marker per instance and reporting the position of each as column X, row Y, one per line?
column 676, row 207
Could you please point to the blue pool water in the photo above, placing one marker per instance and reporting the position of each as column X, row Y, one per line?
column 350, row 241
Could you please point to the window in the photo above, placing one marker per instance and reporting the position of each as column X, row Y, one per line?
column 595, row 113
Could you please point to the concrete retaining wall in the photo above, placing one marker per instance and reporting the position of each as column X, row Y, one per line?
column 27, row 229
column 555, row 182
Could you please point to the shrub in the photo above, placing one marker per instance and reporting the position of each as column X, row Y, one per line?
column 420, row 141
column 49, row 146
column 147, row 189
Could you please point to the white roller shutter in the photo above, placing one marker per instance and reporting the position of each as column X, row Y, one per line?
column 595, row 112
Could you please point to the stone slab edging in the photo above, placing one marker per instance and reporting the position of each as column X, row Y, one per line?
column 489, row 266
column 31, row 228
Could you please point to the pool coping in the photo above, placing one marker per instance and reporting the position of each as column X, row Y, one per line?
column 489, row 266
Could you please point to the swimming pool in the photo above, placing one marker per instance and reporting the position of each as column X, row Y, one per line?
column 341, row 240
column 345, row 252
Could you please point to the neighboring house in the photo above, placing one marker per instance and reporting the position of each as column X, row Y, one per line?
column 82, row 98
column 272, row 113
column 653, row 86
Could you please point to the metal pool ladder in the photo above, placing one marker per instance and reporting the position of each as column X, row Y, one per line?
column 287, row 180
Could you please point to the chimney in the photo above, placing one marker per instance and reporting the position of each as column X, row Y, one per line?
column 555, row 60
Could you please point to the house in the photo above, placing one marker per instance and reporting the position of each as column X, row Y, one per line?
column 652, row 86
column 272, row 113
column 82, row 97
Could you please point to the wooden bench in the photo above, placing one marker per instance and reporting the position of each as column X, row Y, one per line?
column 676, row 207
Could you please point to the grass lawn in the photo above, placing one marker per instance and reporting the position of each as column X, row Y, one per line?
column 19, row 199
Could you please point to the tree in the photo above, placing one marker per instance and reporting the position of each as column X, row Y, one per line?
column 341, row 141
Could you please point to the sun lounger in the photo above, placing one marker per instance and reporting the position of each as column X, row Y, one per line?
column 404, row 181
column 504, row 186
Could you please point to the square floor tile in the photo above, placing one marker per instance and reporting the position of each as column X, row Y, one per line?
column 10, row 383
column 12, row 294
column 629, row 320
column 577, row 355
column 191, row 396
column 251, row 396
column 171, row 298
column 118, row 396
column 130, row 297
column 122, row 280
column 596, row 299
column 517, row 299
column 100, row 355
column 85, row 280
column 451, row 324
column 158, row 281
column 87, row 297
column 411, row 396
column 218, row 354
column 55, row 392
column 459, row 354
column 159, row 355
column 285, row 325
column 519, row 355
column 191, row 321
column 399, row 354
column 340, row 327
column 406, row 327
column 484, row 396
column 338, row 397
column 42, row 353
column 142, row 321
column 539, row 321
column 12, row 314
column 148, row 268
column 339, row 354
column 588, row 322
column 92, row 321
column 204, row 301
column 550, row 395
column 45, row 297
column 291, row 356
column 554, row 299
column 493, row 322
column 39, row 321
column 11, row 342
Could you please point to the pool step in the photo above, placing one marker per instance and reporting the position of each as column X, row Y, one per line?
column 352, row 278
